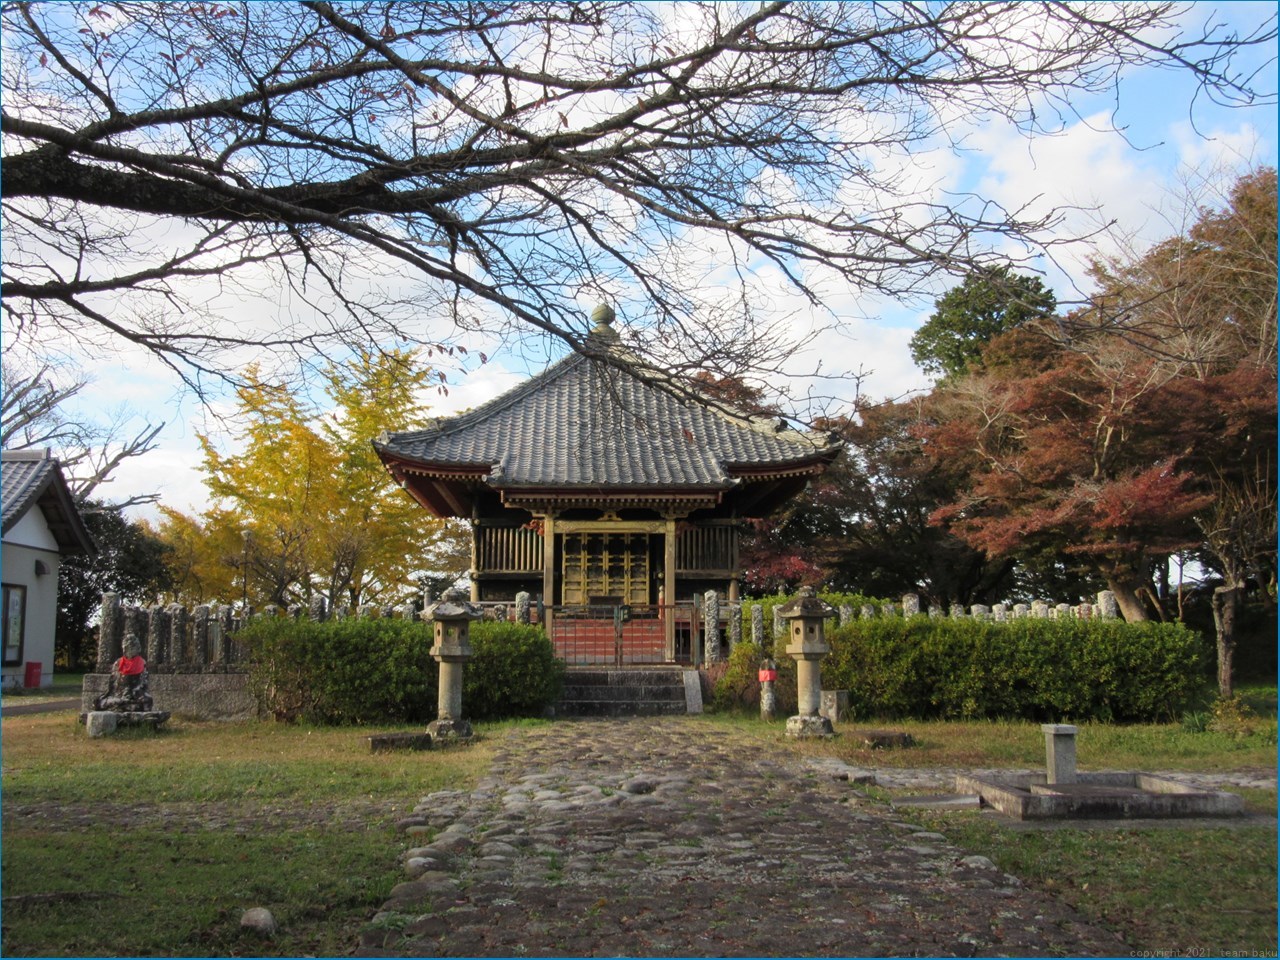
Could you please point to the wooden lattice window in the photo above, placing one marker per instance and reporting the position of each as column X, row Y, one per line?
column 605, row 565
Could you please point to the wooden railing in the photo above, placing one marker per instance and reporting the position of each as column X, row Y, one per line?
column 508, row 550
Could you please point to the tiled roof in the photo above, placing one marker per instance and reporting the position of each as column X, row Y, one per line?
column 31, row 477
column 586, row 422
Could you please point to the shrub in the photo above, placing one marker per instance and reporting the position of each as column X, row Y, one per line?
column 738, row 686
column 513, row 672
column 342, row 671
column 1234, row 717
column 364, row 671
column 1033, row 669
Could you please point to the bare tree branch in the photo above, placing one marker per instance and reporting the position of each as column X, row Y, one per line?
column 414, row 172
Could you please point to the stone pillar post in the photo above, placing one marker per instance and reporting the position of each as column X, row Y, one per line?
column 1000, row 612
column 1108, row 606
column 1039, row 609
column 1060, row 752
column 179, row 655
column 316, row 610
column 910, row 604
column 735, row 625
column 868, row 612
column 452, row 618
column 711, row 619
column 217, row 644
column 157, row 636
column 757, row 626
column 109, row 633
column 846, row 614
column 203, row 655
column 232, row 649
column 807, row 643
column 522, row 607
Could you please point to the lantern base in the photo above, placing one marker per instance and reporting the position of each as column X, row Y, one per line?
column 803, row 727
column 449, row 730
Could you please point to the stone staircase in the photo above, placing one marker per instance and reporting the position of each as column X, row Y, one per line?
column 629, row 692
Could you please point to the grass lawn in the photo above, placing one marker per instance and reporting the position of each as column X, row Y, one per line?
column 155, row 844
column 1169, row 891
column 1203, row 890
column 146, row 844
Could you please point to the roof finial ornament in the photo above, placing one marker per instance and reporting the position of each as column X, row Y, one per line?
column 603, row 317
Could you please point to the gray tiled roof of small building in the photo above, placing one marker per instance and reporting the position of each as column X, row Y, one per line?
column 31, row 477
column 24, row 474
column 636, row 435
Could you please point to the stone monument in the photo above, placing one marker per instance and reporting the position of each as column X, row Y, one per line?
column 127, row 701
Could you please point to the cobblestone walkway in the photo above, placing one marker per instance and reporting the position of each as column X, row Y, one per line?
column 660, row 837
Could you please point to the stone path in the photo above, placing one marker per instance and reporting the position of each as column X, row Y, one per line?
column 661, row 837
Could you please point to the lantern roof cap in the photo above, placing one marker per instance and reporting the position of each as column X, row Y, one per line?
column 454, row 606
column 806, row 604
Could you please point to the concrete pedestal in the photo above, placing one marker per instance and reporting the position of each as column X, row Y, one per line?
column 835, row 705
column 1060, row 752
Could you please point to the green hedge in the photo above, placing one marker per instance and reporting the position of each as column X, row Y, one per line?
column 1047, row 670
column 513, row 672
column 363, row 671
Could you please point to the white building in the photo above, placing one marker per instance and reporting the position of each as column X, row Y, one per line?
column 41, row 525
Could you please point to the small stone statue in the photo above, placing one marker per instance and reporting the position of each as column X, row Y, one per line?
column 128, row 689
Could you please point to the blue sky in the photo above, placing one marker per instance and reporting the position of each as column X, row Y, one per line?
column 1135, row 182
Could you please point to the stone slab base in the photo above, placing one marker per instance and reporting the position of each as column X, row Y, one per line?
column 199, row 696
column 1103, row 796
column 803, row 728
column 103, row 723
column 443, row 731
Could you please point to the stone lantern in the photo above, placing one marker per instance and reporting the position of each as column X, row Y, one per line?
column 452, row 617
column 807, row 643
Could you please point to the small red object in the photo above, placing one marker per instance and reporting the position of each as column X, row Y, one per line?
column 768, row 676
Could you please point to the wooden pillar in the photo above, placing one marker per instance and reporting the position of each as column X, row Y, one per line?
column 475, row 557
column 548, row 569
column 669, row 587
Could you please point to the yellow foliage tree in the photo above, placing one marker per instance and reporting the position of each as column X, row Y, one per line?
column 303, row 507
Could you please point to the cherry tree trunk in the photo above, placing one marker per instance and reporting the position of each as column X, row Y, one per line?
column 1226, row 602
column 1131, row 606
